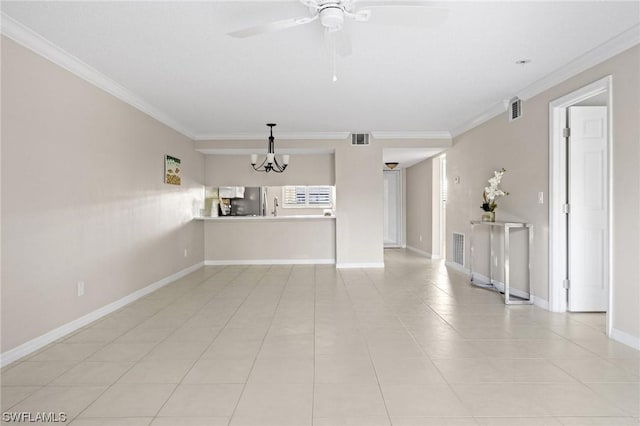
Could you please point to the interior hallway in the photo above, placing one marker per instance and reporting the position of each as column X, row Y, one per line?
column 300, row 345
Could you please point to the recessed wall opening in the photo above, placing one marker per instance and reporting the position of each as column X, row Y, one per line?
column 580, row 201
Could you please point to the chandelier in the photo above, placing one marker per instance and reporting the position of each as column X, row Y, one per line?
column 270, row 163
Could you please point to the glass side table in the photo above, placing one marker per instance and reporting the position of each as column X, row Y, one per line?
column 509, row 299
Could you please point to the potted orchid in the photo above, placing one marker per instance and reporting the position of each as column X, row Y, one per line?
column 490, row 194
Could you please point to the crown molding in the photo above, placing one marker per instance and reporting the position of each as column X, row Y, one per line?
column 325, row 135
column 249, row 151
column 264, row 135
column 428, row 134
column 601, row 53
column 35, row 42
column 38, row 44
column 623, row 41
column 487, row 115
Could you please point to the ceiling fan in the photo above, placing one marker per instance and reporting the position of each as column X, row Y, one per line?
column 332, row 15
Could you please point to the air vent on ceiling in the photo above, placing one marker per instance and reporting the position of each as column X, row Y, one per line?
column 359, row 139
column 515, row 108
column 457, row 250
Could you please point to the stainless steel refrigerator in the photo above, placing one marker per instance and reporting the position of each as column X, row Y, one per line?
column 250, row 204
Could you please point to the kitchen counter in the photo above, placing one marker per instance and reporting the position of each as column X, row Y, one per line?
column 254, row 218
column 268, row 240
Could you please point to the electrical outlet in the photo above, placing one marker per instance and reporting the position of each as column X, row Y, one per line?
column 495, row 260
column 80, row 288
column 540, row 197
column 420, row 238
column 185, row 252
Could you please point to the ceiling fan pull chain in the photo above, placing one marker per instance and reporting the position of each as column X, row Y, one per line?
column 331, row 45
column 335, row 74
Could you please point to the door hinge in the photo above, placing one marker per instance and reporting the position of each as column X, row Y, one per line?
column 566, row 208
column 566, row 132
column 566, row 284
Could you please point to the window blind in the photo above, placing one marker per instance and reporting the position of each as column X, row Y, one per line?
column 307, row 196
column 294, row 196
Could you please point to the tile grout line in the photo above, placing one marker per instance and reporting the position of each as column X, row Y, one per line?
column 64, row 338
column 229, row 283
column 136, row 362
column 235, row 408
column 425, row 355
column 373, row 365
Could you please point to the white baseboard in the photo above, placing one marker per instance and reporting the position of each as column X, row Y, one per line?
column 625, row 338
column 33, row 345
column 420, row 252
column 270, row 262
column 500, row 286
column 352, row 265
column 542, row 303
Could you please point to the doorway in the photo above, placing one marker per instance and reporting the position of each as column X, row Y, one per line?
column 392, row 208
column 442, row 204
column 439, row 207
column 579, row 201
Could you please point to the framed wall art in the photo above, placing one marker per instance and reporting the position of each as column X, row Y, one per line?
column 171, row 170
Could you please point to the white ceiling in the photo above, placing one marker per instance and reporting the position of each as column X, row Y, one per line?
column 177, row 57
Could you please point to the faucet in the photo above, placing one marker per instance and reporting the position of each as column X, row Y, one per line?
column 275, row 206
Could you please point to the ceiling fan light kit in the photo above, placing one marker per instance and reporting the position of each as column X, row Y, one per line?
column 270, row 162
column 332, row 17
column 331, row 14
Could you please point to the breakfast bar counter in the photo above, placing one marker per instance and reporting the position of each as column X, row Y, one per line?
column 267, row 218
column 260, row 240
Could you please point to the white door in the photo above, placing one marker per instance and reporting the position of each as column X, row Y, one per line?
column 588, row 200
column 443, row 206
column 392, row 199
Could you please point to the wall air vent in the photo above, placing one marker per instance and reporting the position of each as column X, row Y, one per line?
column 457, row 250
column 359, row 139
column 515, row 108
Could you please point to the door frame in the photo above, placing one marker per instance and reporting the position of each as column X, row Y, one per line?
column 441, row 206
column 399, row 210
column 558, row 193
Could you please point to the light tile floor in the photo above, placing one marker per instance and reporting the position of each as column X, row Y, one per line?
column 413, row 344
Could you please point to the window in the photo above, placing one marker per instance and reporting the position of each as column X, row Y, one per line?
column 307, row 196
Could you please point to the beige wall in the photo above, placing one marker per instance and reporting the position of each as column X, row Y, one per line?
column 419, row 206
column 359, row 205
column 522, row 148
column 83, row 198
column 236, row 170
column 357, row 177
column 252, row 241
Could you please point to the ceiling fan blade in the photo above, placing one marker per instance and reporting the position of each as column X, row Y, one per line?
column 366, row 4
column 272, row 26
column 407, row 13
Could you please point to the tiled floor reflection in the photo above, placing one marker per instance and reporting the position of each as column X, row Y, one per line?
column 413, row 344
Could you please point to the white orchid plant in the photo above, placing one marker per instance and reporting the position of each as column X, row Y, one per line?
column 493, row 191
